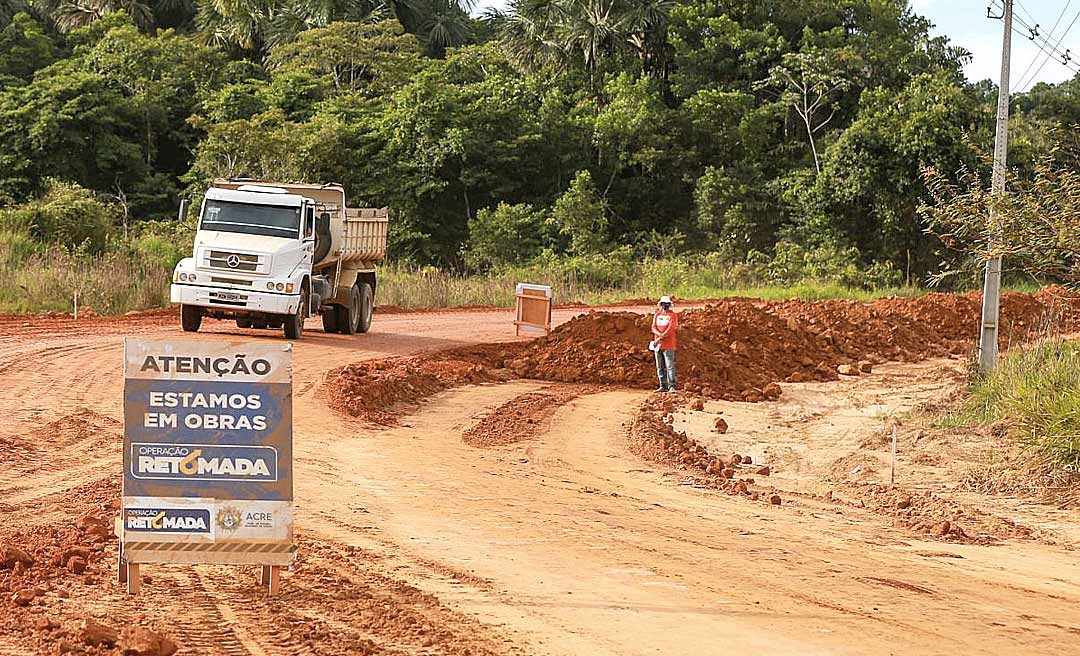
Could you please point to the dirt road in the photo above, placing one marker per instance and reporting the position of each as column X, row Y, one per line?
column 415, row 542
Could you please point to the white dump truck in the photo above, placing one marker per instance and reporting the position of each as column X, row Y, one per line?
column 270, row 255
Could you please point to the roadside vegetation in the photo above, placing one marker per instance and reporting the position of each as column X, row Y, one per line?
column 623, row 275
column 1034, row 396
column 693, row 148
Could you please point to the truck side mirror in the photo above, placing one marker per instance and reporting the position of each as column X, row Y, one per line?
column 183, row 208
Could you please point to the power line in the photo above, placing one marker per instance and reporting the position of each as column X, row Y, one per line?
column 1032, row 34
column 1024, row 9
column 1035, row 75
column 1023, row 76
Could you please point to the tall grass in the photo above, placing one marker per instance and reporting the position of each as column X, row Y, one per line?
column 33, row 279
column 428, row 287
column 1037, row 387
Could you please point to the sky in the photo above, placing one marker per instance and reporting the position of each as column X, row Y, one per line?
column 966, row 25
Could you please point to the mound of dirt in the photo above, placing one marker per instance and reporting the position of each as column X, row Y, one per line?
column 932, row 515
column 651, row 437
column 375, row 391
column 520, row 418
column 733, row 349
column 736, row 349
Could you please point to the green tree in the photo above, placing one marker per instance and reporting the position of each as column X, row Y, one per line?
column 372, row 58
column 580, row 217
column 810, row 83
column 24, row 48
column 508, row 234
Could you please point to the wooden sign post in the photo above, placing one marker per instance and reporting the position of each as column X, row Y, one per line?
column 208, row 474
column 533, row 308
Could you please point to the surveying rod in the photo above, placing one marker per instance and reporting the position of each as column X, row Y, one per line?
column 991, row 300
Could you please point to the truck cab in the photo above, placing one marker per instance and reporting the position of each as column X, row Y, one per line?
column 270, row 256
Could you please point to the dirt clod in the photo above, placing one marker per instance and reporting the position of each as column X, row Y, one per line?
column 866, row 367
column 76, row 565
column 10, row 556
column 140, row 641
column 774, row 499
column 45, row 623
column 848, row 370
column 95, row 633
column 720, row 426
column 763, row 471
column 23, row 597
column 697, row 404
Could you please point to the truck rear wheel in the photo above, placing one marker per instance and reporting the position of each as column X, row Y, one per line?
column 330, row 319
column 294, row 325
column 243, row 323
column 367, row 307
column 348, row 316
column 190, row 318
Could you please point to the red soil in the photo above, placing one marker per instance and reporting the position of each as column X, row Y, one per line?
column 734, row 349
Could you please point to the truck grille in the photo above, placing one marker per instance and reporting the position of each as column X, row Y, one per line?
column 229, row 261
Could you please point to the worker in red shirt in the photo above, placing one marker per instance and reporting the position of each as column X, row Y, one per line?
column 664, row 324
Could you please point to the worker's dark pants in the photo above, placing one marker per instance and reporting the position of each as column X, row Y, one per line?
column 665, row 368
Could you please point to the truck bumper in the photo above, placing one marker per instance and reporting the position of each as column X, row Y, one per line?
column 234, row 301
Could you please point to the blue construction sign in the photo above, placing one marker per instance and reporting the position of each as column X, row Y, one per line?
column 208, row 474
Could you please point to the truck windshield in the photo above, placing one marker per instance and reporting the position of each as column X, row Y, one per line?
column 266, row 220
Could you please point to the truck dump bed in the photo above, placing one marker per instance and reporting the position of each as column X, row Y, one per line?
column 363, row 236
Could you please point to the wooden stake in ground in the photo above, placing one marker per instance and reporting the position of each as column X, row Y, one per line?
column 892, row 470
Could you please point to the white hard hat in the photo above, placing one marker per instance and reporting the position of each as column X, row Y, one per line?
column 665, row 299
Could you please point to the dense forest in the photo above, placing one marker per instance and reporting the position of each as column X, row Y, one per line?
column 555, row 128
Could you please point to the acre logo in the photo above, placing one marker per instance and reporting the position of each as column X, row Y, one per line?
column 185, row 521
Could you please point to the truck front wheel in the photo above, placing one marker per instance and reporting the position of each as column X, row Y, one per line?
column 190, row 318
column 294, row 325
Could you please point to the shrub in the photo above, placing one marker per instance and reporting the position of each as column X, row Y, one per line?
column 162, row 242
column 506, row 235
column 66, row 214
column 793, row 263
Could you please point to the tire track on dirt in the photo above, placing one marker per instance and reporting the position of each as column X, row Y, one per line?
column 204, row 622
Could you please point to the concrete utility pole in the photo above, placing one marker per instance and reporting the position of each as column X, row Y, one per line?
column 988, row 338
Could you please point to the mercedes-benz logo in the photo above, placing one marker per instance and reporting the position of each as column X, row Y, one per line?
column 233, row 261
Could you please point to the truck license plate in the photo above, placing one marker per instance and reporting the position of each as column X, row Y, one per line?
column 225, row 296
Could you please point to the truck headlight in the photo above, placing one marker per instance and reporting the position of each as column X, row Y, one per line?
column 281, row 286
column 270, row 286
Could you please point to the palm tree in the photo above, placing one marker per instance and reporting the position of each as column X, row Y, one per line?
column 528, row 31
column 72, row 14
column 538, row 33
column 259, row 25
column 443, row 24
